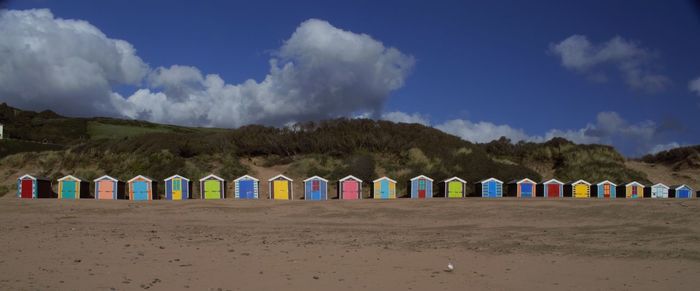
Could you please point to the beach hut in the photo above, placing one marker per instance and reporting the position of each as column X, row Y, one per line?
column 281, row 188
column 454, row 188
column 632, row 189
column 523, row 188
column 177, row 188
column 680, row 191
column 315, row 188
column 350, row 188
column 605, row 189
column 109, row 188
column 659, row 191
column 32, row 187
column 212, row 187
column 421, row 187
column 552, row 188
column 246, row 187
column 577, row 189
column 489, row 188
column 384, row 188
column 70, row 187
column 142, row 188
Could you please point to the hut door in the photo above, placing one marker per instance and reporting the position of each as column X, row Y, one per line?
column 606, row 190
column 106, row 190
column 526, row 190
column 139, row 190
column 27, row 188
column 315, row 190
column 634, row 192
column 659, row 192
column 454, row 189
column 421, row 188
column 246, row 190
column 68, row 190
column 553, row 190
column 581, row 191
column 281, row 191
column 492, row 189
column 351, row 190
column 384, row 189
column 177, row 189
column 683, row 193
column 212, row 189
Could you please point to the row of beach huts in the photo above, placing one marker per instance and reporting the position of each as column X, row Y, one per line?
column 349, row 188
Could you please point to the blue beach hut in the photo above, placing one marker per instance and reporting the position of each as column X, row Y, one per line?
column 315, row 188
column 246, row 187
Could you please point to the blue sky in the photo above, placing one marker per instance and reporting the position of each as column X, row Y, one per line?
column 476, row 69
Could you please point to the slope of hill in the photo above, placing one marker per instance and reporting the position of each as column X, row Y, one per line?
column 90, row 147
column 683, row 158
column 566, row 161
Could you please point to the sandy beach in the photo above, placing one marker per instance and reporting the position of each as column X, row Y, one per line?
column 350, row 245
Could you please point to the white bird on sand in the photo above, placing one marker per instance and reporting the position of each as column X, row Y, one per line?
column 450, row 267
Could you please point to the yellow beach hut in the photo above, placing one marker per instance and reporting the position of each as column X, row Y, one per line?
column 634, row 189
column 281, row 188
column 578, row 189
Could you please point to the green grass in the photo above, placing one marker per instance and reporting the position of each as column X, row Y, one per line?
column 99, row 130
column 10, row 147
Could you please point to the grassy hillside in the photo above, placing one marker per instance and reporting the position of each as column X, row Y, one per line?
column 90, row 147
column 678, row 159
column 566, row 161
column 49, row 127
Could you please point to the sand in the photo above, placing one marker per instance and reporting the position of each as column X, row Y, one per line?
column 659, row 173
column 350, row 245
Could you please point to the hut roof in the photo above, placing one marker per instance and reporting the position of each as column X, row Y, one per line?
column 490, row 179
column 579, row 182
column 550, row 181
column 212, row 176
column 280, row 176
column 106, row 177
column 384, row 178
column 246, row 177
column 606, row 181
column 71, row 177
column 316, row 177
column 350, row 177
column 140, row 177
column 634, row 183
column 516, row 181
column 421, row 176
column 176, row 176
column 455, row 178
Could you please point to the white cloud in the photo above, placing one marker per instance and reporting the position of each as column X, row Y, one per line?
column 481, row 132
column 634, row 63
column 694, row 86
column 398, row 116
column 608, row 128
column 66, row 65
column 319, row 72
column 664, row 147
column 71, row 67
